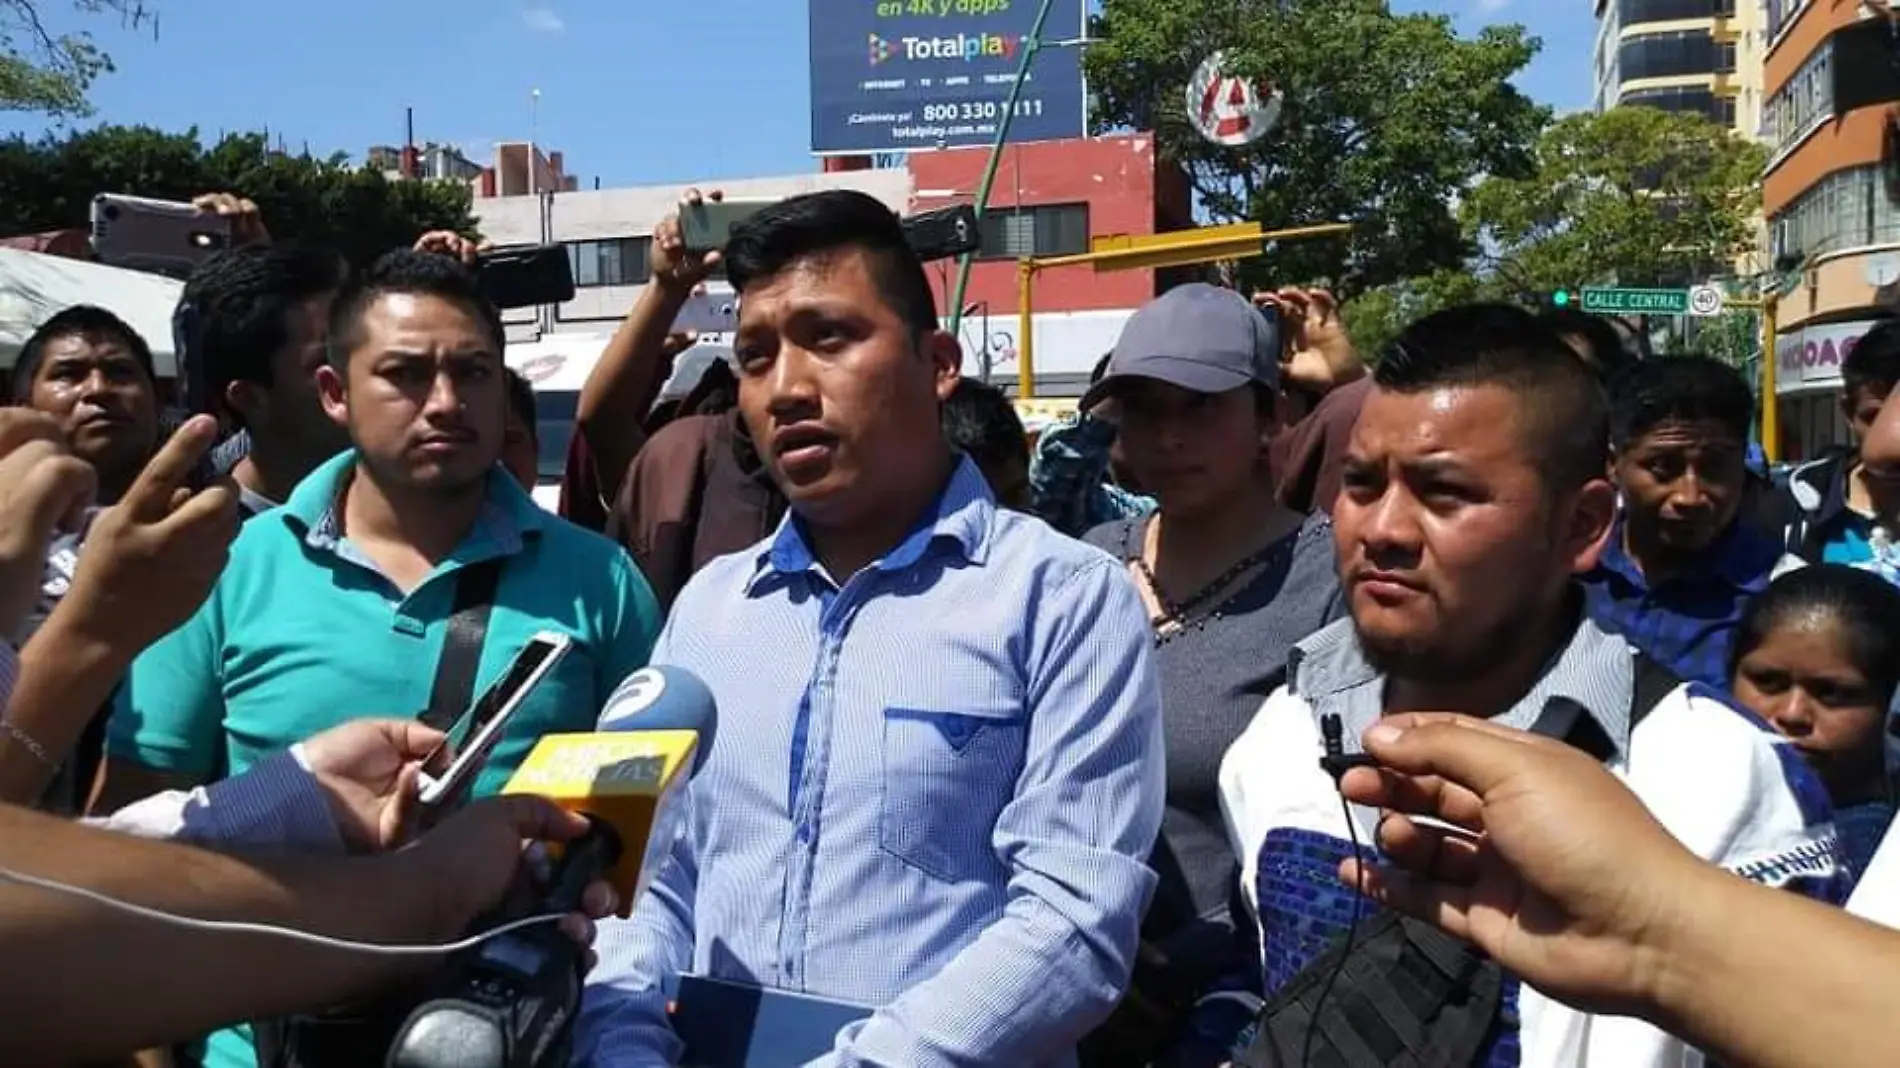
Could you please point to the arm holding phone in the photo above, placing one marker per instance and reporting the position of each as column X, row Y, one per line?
column 634, row 366
column 352, row 788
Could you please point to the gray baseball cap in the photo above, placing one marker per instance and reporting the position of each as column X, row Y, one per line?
column 1198, row 337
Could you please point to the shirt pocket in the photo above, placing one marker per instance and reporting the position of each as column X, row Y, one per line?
column 946, row 778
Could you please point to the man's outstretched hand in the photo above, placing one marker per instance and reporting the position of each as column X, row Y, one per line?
column 150, row 561
column 1563, row 876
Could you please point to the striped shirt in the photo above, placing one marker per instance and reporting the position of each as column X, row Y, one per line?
column 933, row 793
column 9, row 671
column 277, row 805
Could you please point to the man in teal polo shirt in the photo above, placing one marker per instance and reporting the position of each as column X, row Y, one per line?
column 334, row 606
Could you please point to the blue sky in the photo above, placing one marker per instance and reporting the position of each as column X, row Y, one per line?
column 634, row 91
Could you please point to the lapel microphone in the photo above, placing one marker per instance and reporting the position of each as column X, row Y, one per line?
column 1337, row 762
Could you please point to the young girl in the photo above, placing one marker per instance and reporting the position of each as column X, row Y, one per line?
column 1818, row 657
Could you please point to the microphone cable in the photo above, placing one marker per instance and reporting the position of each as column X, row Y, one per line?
column 1337, row 763
column 273, row 930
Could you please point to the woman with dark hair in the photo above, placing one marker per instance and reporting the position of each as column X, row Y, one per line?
column 1231, row 579
column 1818, row 656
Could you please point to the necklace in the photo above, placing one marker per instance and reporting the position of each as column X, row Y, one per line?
column 1174, row 618
column 1176, row 611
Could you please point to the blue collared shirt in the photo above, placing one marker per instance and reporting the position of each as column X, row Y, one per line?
column 1688, row 622
column 933, row 792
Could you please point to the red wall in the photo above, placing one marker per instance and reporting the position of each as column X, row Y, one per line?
column 1115, row 176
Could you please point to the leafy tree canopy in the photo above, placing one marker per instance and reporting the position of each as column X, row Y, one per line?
column 49, row 185
column 1387, row 120
column 45, row 71
column 1631, row 196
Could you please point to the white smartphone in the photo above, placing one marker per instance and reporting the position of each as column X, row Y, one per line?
column 160, row 236
column 491, row 713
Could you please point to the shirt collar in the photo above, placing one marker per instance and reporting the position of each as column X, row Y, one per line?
column 962, row 515
column 1594, row 672
column 508, row 516
column 1741, row 558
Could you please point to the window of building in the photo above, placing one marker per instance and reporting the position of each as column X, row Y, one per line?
column 1847, row 209
column 619, row 261
column 1699, row 99
column 1633, row 12
column 1667, row 55
column 1807, row 101
column 1781, row 15
column 1043, row 230
column 1725, row 57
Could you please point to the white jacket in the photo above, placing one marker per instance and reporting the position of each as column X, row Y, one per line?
column 1712, row 774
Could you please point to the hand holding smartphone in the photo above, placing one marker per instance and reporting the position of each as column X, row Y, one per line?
column 706, row 225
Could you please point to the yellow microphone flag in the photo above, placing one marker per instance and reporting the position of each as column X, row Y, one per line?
column 629, row 780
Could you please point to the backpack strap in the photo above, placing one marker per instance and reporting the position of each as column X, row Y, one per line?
column 1654, row 681
column 461, row 657
column 1407, row 996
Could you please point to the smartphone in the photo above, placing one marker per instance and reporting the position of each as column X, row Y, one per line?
column 707, row 225
column 192, row 398
column 1276, row 331
column 166, row 237
column 526, row 277
column 711, row 312
column 490, row 714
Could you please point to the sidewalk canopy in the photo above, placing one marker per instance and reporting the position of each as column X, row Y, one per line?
column 34, row 287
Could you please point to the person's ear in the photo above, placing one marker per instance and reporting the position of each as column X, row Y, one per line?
column 945, row 355
column 1587, row 524
column 247, row 401
column 334, row 394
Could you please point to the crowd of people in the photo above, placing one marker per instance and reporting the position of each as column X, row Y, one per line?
column 1082, row 750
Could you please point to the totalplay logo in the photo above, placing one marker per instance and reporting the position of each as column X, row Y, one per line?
column 968, row 47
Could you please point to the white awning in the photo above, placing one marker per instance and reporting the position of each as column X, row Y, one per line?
column 35, row 286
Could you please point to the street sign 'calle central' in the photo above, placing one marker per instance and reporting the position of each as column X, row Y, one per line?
column 1605, row 301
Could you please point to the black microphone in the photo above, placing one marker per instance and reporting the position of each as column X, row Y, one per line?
column 1337, row 762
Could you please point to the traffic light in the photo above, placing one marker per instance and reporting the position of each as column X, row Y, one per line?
column 1560, row 299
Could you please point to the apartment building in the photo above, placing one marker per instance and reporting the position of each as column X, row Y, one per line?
column 1832, row 196
column 1703, row 56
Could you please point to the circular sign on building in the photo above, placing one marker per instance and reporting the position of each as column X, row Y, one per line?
column 1229, row 110
column 1705, row 301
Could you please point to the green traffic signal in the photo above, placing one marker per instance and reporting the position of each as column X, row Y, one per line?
column 1561, row 298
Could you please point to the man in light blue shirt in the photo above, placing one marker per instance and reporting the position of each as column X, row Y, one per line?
column 938, row 772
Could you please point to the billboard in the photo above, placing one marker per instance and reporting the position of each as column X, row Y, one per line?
column 903, row 75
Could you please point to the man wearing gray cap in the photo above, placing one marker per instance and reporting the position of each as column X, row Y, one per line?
column 1231, row 580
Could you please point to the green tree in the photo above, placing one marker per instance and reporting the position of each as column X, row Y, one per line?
column 1375, row 317
column 49, row 185
column 1386, row 119
column 48, row 72
column 1632, row 195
